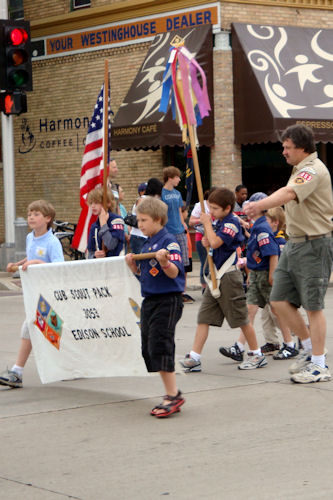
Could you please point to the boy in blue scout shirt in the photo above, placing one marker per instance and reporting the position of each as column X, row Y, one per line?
column 231, row 302
column 162, row 281
column 262, row 258
column 42, row 246
column 106, row 236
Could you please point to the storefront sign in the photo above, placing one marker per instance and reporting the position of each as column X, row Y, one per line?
column 137, row 30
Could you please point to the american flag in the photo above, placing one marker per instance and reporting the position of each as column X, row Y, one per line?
column 91, row 172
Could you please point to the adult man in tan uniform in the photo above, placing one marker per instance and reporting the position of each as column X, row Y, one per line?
column 304, row 268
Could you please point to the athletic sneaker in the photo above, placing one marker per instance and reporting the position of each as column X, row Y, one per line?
column 11, row 379
column 311, row 373
column 270, row 349
column 232, row 352
column 253, row 361
column 303, row 359
column 190, row 364
column 286, row 352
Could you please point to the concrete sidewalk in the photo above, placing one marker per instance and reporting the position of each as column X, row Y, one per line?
column 240, row 435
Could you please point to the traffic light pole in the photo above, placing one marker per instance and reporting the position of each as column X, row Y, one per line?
column 8, row 176
column 8, row 161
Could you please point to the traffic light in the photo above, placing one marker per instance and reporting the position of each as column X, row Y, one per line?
column 13, row 103
column 15, row 55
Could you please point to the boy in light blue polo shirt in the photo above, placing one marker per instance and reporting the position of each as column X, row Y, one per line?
column 41, row 247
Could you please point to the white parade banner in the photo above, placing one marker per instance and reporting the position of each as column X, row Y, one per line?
column 84, row 319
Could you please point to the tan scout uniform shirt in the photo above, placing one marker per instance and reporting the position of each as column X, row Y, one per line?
column 311, row 214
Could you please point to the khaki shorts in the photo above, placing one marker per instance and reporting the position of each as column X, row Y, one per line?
column 303, row 273
column 259, row 288
column 230, row 305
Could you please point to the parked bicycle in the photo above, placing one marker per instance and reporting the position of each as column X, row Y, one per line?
column 64, row 231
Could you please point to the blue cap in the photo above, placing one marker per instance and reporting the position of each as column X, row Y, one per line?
column 142, row 187
column 258, row 196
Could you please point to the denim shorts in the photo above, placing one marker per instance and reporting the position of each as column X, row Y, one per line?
column 303, row 273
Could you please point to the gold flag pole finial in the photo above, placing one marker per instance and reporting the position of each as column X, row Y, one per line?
column 177, row 41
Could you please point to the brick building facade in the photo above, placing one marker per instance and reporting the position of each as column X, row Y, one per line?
column 49, row 139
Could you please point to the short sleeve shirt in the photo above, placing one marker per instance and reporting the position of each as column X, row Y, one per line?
column 230, row 232
column 261, row 245
column 174, row 201
column 153, row 279
column 311, row 213
column 46, row 247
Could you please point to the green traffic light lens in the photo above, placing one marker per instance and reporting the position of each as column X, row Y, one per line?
column 19, row 77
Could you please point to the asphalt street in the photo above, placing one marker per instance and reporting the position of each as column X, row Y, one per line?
column 240, row 435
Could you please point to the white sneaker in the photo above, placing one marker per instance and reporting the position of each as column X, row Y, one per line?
column 311, row 373
column 190, row 364
column 303, row 359
column 252, row 362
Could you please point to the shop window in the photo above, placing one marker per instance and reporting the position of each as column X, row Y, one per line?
column 175, row 156
column 15, row 9
column 264, row 168
column 80, row 4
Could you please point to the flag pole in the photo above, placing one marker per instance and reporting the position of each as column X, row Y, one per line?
column 200, row 195
column 191, row 134
column 106, row 132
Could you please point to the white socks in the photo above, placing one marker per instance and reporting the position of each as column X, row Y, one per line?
column 241, row 346
column 307, row 345
column 195, row 356
column 17, row 369
column 318, row 360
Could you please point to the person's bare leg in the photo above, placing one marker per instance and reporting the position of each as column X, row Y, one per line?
column 24, row 352
column 250, row 336
column 200, row 338
column 317, row 323
column 285, row 330
column 170, row 384
column 292, row 318
column 252, row 311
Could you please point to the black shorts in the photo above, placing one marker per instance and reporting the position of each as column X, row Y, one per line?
column 159, row 316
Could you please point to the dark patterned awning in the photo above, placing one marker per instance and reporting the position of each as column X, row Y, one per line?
column 282, row 75
column 138, row 123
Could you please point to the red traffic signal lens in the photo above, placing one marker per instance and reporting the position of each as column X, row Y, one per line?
column 18, row 36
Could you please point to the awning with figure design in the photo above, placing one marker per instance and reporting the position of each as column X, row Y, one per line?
column 282, row 75
column 138, row 123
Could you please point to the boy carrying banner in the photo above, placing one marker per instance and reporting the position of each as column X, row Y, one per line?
column 228, row 301
column 41, row 247
column 162, row 281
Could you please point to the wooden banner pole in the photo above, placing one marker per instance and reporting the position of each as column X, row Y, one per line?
column 201, row 198
column 106, row 132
